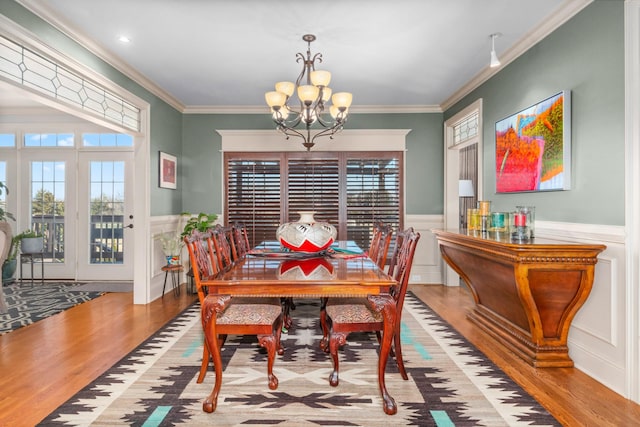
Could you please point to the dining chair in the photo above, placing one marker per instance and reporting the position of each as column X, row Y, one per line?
column 394, row 255
column 232, row 316
column 240, row 240
column 379, row 254
column 346, row 315
column 376, row 234
column 222, row 247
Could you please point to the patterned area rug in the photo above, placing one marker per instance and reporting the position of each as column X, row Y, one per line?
column 28, row 304
column 450, row 382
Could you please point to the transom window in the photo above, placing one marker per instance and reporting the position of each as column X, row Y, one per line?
column 107, row 140
column 48, row 140
column 466, row 129
column 7, row 140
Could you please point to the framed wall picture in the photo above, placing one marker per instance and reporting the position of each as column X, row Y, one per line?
column 168, row 172
column 533, row 147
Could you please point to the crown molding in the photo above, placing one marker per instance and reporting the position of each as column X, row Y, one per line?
column 109, row 57
column 564, row 12
column 357, row 109
column 395, row 109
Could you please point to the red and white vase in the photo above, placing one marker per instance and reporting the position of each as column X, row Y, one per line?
column 306, row 235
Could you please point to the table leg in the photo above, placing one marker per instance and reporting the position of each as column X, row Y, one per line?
column 385, row 304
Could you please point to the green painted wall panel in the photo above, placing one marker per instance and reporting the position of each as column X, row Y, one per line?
column 202, row 160
column 585, row 56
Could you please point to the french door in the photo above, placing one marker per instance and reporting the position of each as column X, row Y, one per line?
column 48, row 205
column 105, row 216
column 82, row 203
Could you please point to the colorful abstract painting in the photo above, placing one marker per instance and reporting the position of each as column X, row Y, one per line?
column 533, row 147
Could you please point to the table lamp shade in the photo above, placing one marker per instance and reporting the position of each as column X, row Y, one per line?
column 465, row 188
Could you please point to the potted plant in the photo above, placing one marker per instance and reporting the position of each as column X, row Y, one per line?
column 172, row 241
column 171, row 246
column 31, row 242
column 201, row 222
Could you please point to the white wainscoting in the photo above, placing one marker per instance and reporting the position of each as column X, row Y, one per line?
column 427, row 262
column 598, row 334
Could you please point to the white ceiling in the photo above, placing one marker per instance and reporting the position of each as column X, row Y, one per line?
column 213, row 55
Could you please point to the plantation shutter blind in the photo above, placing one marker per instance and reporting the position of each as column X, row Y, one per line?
column 351, row 190
column 253, row 197
column 313, row 185
column 373, row 196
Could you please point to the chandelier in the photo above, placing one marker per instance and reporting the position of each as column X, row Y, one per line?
column 314, row 93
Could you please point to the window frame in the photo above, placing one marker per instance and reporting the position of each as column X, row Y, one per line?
column 342, row 157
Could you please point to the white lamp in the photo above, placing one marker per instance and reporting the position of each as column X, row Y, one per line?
column 465, row 189
column 495, row 62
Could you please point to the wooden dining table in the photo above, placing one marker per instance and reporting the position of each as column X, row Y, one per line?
column 344, row 272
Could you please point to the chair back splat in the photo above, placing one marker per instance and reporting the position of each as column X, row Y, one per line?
column 202, row 254
column 379, row 253
column 223, row 250
column 240, row 240
column 345, row 315
column 222, row 315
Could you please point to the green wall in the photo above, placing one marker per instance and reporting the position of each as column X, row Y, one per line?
column 585, row 56
column 165, row 122
column 202, row 158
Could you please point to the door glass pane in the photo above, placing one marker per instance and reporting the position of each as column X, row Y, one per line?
column 47, row 207
column 106, row 243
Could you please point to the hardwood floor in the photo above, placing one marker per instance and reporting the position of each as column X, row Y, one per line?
column 44, row 364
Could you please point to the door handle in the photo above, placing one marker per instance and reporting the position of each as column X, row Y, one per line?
column 129, row 226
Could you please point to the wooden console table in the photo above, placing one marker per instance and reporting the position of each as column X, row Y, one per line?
column 526, row 294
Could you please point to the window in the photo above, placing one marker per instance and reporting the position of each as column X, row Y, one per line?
column 7, row 140
column 373, row 195
column 107, row 140
column 42, row 75
column 466, row 129
column 48, row 140
column 351, row 190
column 47, row 206
column 106, row 212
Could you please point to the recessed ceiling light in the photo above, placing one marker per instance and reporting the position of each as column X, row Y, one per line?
column 124, row 39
